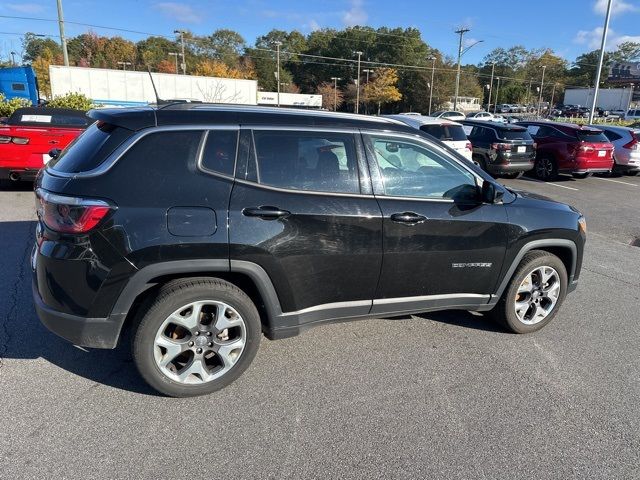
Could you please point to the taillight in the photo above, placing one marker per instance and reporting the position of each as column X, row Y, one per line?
column 16, row 140
column 587, row 148
column 469, row 147
column 70, row 214
column 501, row 146
column 633, row 144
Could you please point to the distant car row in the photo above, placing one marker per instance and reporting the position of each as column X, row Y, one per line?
column 545, row 148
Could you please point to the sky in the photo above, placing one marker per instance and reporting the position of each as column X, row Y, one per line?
column 569, row 27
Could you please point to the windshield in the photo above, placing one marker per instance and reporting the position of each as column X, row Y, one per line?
column 453, row 133
column 514, row 134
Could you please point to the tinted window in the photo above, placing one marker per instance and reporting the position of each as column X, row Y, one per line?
column 514, row 134
column 612, row 136
column 219, row 154
column 162, row 150
column 313, row 161
column 90, row 149
column 412, row 170
column 445, row 132
column 587, row 136
column 18, row 87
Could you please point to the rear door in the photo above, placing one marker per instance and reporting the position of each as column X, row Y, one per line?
column 442, row 247
column 302, row 209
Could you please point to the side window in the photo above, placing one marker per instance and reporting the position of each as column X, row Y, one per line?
column 612, row 136
column 219, row 154
column 312, row 161
column 533, row 130
column 166, row 151
column 411, row 169
column 18, row 87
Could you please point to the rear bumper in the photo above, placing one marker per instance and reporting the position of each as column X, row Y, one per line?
column 498, row 168
column 82, row 331
column 25, row 174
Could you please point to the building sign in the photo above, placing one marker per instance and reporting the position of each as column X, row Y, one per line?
column 290, row 99
column 624, row 72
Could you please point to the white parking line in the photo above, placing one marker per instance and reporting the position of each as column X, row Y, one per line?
column 549, row 183
column 616, row 181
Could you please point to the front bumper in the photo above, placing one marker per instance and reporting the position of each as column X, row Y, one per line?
column 82, row 331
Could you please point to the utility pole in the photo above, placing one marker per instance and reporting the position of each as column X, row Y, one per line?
column 358, row 83
column 63, row 40
column 601, row 60
column 184, row 62
column 335, row 92
column 528, row 95
column 175, row 55
column 460, row 32
column 367, row 71
column 495, row 108
column 493, row 68
column 544, row 68
column 433, row 71
column 278, row 45
column 553, row 92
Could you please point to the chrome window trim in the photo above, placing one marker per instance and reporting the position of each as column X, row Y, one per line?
column 123, row 148
column 200, row 154
column 305, row 192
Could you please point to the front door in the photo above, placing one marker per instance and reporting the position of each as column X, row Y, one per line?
column 301, row 211
column 442, row 247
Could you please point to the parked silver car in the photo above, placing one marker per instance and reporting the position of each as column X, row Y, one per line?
column 626, row 144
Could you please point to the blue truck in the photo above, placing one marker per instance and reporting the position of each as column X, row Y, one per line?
column 19, row 82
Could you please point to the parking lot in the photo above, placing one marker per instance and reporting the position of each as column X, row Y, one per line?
column 440, row 395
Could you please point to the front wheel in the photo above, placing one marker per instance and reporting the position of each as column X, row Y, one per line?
column 546, row 169
column 534, row 294
column 197, row 337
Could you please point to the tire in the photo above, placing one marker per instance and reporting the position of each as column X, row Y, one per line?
column 632, row 173
column 546, row 169
column 528, row 320
column 513, row 175
column 581, row 175
column 180, row 344
column 482, row 163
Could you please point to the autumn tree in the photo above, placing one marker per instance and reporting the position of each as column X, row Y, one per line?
column 166, row 66
column 383, row 88
column 332, row 98
column 216, row 68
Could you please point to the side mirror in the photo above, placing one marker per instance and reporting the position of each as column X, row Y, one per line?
column 491, row 194
column 54, row 153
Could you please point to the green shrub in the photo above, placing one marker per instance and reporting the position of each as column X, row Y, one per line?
column 77, row 101
column 7, row 107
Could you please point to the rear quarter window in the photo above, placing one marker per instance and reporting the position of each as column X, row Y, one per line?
column 91, row 149
column 454, row 133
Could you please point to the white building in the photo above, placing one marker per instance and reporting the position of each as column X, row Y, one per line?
column 465, row 104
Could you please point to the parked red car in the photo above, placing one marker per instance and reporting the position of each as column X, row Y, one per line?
column 569, row 148
column 31, row 133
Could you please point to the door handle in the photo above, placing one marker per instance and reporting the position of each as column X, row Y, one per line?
column 408, row 217
column 266, row 212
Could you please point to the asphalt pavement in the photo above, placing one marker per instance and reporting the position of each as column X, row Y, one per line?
column 439, row 395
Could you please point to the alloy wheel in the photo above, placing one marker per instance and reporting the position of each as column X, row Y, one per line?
column 544, row 168
column 537, row 295
column 200, row 342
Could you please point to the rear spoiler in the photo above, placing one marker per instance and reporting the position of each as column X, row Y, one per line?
column 129, row 118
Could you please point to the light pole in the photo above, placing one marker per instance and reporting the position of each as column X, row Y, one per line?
column 495, row 108
column 184, row 62
column 433, row 71
column 278, row 44
column 13, row 60
column 460, row 32
column 175, row 55
column 124, row 64
column 63, row 40
column 601, row 60
column 544, row 68
column 367, row 71
column 493, row 68
column 358, row 82
column 553, row 92
column 335, row 93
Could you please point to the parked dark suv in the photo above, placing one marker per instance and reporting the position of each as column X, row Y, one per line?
column 501, row 148
column 201, row 227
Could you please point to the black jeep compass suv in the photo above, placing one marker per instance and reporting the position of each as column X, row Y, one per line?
column 201, row 227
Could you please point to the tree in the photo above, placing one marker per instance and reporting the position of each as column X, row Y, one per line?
column 77, row 101
column 117, row 49
column 33, row 46
column 223, row 45
column 154, row 50
column 332, row 99
column 382, row 89
column 166, row 66
column 41, row 68
column 215, row 68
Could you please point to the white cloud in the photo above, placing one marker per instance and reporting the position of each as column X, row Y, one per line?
column 619, row 6
column 179, row 11
column 25, row 7
column 356, row 15
column 593, row 38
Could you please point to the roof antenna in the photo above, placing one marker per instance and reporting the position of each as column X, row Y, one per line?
column 158, row 100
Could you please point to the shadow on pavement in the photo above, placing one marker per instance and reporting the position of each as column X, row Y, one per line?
column 458, row 318
column 23, row 337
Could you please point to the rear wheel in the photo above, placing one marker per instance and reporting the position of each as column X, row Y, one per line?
column 197, row 337
column 534, row 294
column 632, row 173
column 582, row 175
column 546, row 169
